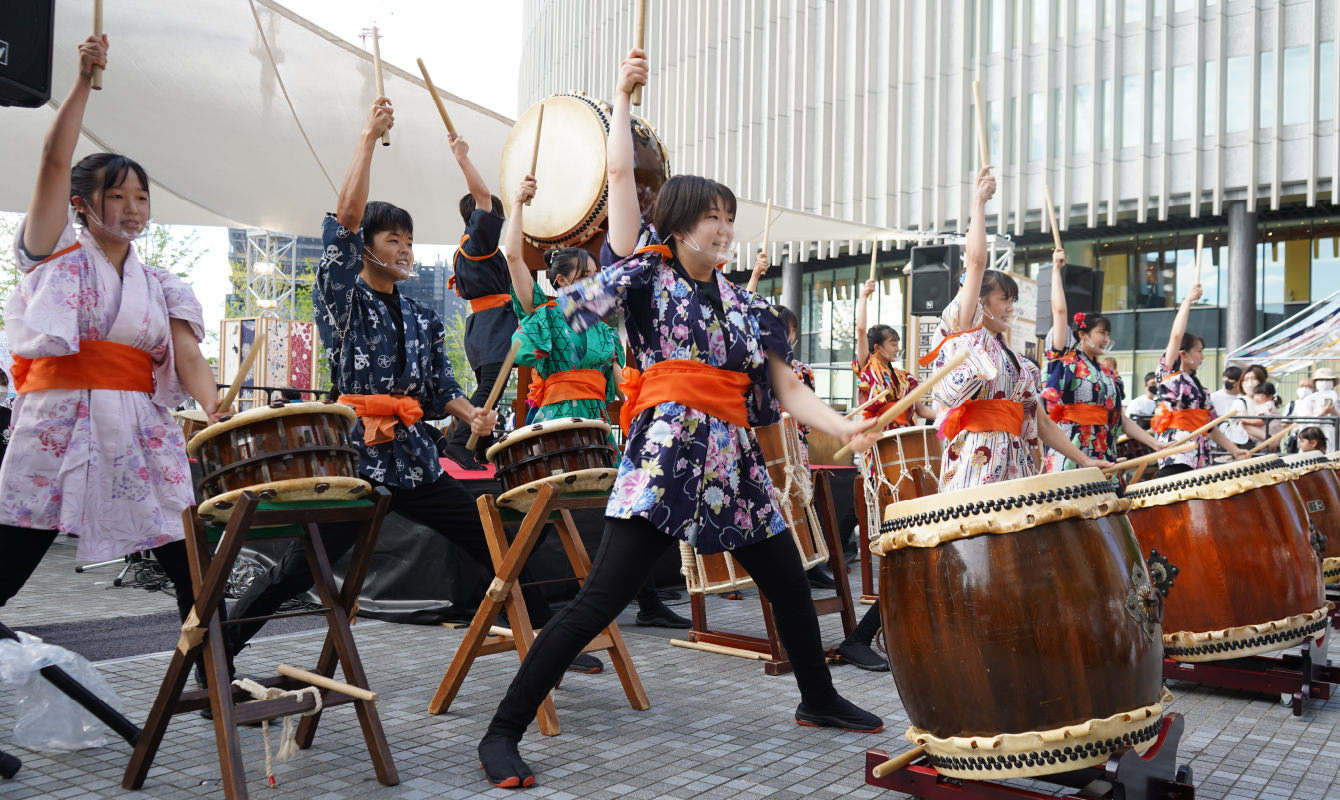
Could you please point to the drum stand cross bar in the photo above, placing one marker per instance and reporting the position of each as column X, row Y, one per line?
column 483, row 639
column 204, row 629
column 1299, row 678
column 769, row 649
column 1127, row 775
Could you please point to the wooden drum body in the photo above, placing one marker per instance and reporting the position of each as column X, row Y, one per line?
column 793, row 492
column 1023, row 627
column 574, row 455
column 1318, row 483
column 192, row 421
column 907, row 464
column 285, row 452
column 1249, row 580
column 571, row 205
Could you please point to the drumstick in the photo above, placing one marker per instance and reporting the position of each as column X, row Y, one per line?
column 381, row 84
column 874, row 258
column 767, row 230
column 95, row 78
column 498, row 386
column 1272, row 440
column 982, row 145
column 894, row 764
column 441, row 109
column 639, row 38
column 874, row 398
column 1206, row 427
column 1051, row 216
column 909, row 398
column 1146, row 459
column 322, row 682
column 535, row 155
column 236, row 386
column 1200, row 245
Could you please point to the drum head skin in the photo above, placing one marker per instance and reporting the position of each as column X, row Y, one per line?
column 546, row 426
column 571, row 169
column 267, row 412
column 216, row 510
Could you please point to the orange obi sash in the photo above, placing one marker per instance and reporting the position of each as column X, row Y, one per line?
column 714, row 391
column 489, row 301
column 1188, row 419
column 929, row 358
column 570, row 384
column 380, row 412
column 97, row 365
column 981, row 416
column 1079, row 413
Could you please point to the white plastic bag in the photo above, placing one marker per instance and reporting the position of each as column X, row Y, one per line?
column 45, row 718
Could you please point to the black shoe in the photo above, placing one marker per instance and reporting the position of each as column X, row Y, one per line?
column 861, row 655
column 821, row 578
column 840, row 713
column 662, row 617
column 586, row 664
column 502, row 764
column 464, row 458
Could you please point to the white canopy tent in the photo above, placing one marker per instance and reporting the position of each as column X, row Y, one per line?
column 245, row 114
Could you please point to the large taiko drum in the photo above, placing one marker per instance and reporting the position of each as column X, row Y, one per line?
column 906, row 464
column 284, row 452
column 572, row 454
column 1250, row 580
column 793, row 491
column 1023, row 626
column 192, row 421
column 1318, row 483
column 573, row 197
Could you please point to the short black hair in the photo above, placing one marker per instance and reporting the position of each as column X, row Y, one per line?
column 97, row 173
column 684, row 199
column 994, row 279
column 567, row 262
column 876, row 334
column 1233, row 373
column 1314, row 433
column 1189, row 342
column 1149, row 376
column 468, row 206
column 1266, row 388
column 379, row 216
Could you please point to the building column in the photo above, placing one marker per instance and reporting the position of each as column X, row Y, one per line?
column 1240, row 315
column 791, row 283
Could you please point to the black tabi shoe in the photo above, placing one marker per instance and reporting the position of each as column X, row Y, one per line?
column 464, row 458
column 586, row 664
column 840, row 713
column 862, row 656
column 821, row 578
column 662, row 617
column 502, row 764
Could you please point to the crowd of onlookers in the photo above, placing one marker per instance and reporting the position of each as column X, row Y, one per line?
column 1262, row 410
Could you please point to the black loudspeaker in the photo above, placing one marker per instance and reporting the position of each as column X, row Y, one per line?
column 26, row 27
column 1083, row 292
column 935, row 271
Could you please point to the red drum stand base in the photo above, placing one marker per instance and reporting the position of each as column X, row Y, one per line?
column 1296, row 678
column 1127, row 775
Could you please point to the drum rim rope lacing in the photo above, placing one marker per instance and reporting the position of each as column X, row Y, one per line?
column 874, row 477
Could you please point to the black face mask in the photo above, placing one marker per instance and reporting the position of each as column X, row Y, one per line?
column 1228, row 385
column 1151, row 388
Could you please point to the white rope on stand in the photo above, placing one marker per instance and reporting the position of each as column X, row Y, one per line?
column 288, row 736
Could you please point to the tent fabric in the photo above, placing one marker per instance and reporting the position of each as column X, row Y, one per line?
column 1310, row 336
column 245, row 115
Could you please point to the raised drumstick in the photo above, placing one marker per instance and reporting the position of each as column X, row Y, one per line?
column 911, row 397
column 242, row 371
column 535, row 154
column 639, row 37
column 441, row 108
column 1200, row 245
column 381, row 84
column 1051, row 217
column 498, row 386
column 1171, row 450
column 1272, row 440
column 767, row 231
column 874, row 398
column 874, row 259
column 983, row 146
column 95, row 79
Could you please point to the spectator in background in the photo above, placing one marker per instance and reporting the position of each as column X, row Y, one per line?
column 1324, row 401
column 1262, row 403
column 1110, row 364
column 1312, row 440
column 290, row 395
column 1223, row 401
column 1146, row 404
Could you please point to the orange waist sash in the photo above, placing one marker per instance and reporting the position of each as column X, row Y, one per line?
column 489, row 301
column 714, row 391
column 571, row 384
column 97, row 365
column 981, row 416
column 1079, row 413
column 1188, row 419
column 380, row 412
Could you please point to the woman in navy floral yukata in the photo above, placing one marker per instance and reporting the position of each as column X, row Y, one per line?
column 712, row 356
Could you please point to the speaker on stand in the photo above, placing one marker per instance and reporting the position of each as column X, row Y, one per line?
column 1083, row 292
column 26, row 28
column 934, row 273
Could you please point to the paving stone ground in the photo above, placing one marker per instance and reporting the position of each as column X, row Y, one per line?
column 718, row 727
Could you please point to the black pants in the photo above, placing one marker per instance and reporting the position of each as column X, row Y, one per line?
column 444, row 505
column 627, row 553
column 485, row 377
column 1173, row 469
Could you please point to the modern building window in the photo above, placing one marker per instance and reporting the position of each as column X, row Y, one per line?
column 1081, row 11
column 1267, row 71
column 1130, row 111
column 993, row 130
column 995, row 25
column 1039, row 14
column 1037, row 126
column 1325, row 262
column 1237, row 90
column 1183, row 107
column 1326, row 81
column 1105, row 115
column 1156, row 106
column 1297, row 85
column 1081, row 132
column 1134, row 11
column 1211, row 104
column 1183, row 5
column 1109, row 12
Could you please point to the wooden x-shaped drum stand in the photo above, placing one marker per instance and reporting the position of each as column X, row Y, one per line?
column 482, row 638
column 209, row 576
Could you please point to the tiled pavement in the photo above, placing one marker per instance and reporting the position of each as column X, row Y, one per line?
column 718, row 727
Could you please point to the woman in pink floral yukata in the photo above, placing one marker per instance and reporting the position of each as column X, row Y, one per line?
column 104, row 347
